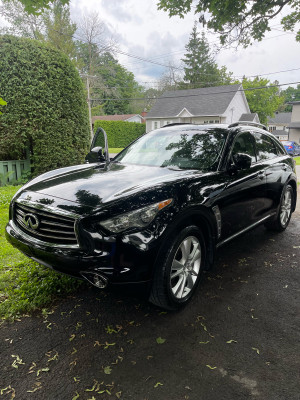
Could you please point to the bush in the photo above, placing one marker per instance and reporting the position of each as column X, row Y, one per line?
column 120, row 133
column 46, row 107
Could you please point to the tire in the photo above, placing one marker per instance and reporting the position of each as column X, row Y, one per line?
column 283, row 216
column 178, row 269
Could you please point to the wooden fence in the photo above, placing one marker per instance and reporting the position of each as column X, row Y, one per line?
column 11, row 171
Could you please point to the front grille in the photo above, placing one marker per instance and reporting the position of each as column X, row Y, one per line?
column 44, row 225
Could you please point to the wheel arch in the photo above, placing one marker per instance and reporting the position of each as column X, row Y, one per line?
column 204, row 219
column 293, row 184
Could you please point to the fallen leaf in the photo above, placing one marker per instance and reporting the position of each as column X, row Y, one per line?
column 210, row 367
column 204, row 342
column 107, row 370
column 72, row 337
column 257, row 350
column 231, row 341
column 158, row 384
column 159, row 340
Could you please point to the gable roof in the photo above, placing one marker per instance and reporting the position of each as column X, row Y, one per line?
column 202, row 101
column 249, row 117
column 121, row 117
column 280, row 118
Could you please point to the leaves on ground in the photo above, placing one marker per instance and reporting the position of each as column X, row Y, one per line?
column 160, row 340
column 158, row 384
column 231, row 341
column 210, row 367
column 107, row 370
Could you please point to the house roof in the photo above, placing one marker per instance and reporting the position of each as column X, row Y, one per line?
column 280, row 118
column 122, row 117
column 248, row 117
column 202, row 101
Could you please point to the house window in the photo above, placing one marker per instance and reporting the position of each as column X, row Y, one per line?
column 155, row 124
column 211, row 121
column 216, row 121
column 205, row 122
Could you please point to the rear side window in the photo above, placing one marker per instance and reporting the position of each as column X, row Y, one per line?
column 265, row 147
column 244, row 143
column 280, row 149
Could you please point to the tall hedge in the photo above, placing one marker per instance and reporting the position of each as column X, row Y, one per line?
column 46, row 106
column 120, row 133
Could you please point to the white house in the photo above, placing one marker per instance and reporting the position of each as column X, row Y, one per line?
column 278, row 124
column 220, row 104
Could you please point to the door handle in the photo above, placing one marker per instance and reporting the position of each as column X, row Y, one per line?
column 261, row 174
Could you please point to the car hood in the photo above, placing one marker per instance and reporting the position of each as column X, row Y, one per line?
column 94, row 186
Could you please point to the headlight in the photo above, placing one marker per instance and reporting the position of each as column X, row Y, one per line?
column 134, row 219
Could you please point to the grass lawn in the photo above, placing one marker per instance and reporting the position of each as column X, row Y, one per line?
column 297, row 159
column 24, row 284
column 115, row 150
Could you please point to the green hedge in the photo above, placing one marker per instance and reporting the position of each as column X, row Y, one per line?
column 120, row 133
column 46, row 105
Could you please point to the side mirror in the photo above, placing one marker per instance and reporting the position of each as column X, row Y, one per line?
column 99, row 151
column 242, row 161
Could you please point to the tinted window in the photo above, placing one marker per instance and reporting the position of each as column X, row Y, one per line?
column 265, row 147
column 280, row 148
column 184, row 148
column 244, row 143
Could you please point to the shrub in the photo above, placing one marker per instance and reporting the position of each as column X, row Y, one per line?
column 120, row 133
column 46, row 107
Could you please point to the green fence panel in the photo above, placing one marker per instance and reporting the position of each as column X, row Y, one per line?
column 11, row 171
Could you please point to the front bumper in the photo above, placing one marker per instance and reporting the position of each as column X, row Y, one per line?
column 119, row 261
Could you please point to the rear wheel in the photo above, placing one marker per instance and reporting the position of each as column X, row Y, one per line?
column 282, row 219
column 178, row 269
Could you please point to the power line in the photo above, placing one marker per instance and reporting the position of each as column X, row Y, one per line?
column 197, row 95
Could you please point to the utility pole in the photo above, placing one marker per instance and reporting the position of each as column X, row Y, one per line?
column 89, row 106
column 89, row 101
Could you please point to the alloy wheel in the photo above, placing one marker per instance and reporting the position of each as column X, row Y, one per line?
column 185, row 267
column 286, row 208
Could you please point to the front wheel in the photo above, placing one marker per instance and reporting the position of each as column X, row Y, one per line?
column 282, row 219
column 178, row 269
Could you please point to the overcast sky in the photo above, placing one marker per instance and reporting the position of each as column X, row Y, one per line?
column 141, row 30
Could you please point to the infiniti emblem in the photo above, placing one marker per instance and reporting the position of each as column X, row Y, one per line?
column 31, row 221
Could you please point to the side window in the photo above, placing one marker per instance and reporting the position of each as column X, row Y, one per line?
column 265, row 147
column 280, row 149
column 244, row 143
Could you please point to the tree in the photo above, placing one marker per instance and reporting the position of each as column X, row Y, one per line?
column 200, row 69
column 290, row 94
column 237, row 21
column 59, row 28
column 263, row 101
column 46, row 106
column 53, row 25
column 2, row 103
column 21, row 22
column 35, row 7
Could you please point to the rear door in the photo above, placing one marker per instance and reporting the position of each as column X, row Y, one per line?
column 242, row 203
column 272, row 158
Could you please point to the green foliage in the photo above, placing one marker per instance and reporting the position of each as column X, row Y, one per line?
column 237, row 21
column 97, row 110
column 24, row 284
column 46, row 105
column 121, row 133
column 2, row 103
column 200, row 69
column 290, row 94
column 59, row 28
column 37, row 6
column 264, row 102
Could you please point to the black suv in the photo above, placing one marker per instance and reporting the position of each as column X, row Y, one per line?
column 157, row 212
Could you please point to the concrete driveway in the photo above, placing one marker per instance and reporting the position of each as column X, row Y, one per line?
column 238, row 339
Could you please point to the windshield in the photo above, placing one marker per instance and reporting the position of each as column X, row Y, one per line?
column 180, row 148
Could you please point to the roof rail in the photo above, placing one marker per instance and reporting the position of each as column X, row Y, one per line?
column 177, row 123
column 261, row 126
